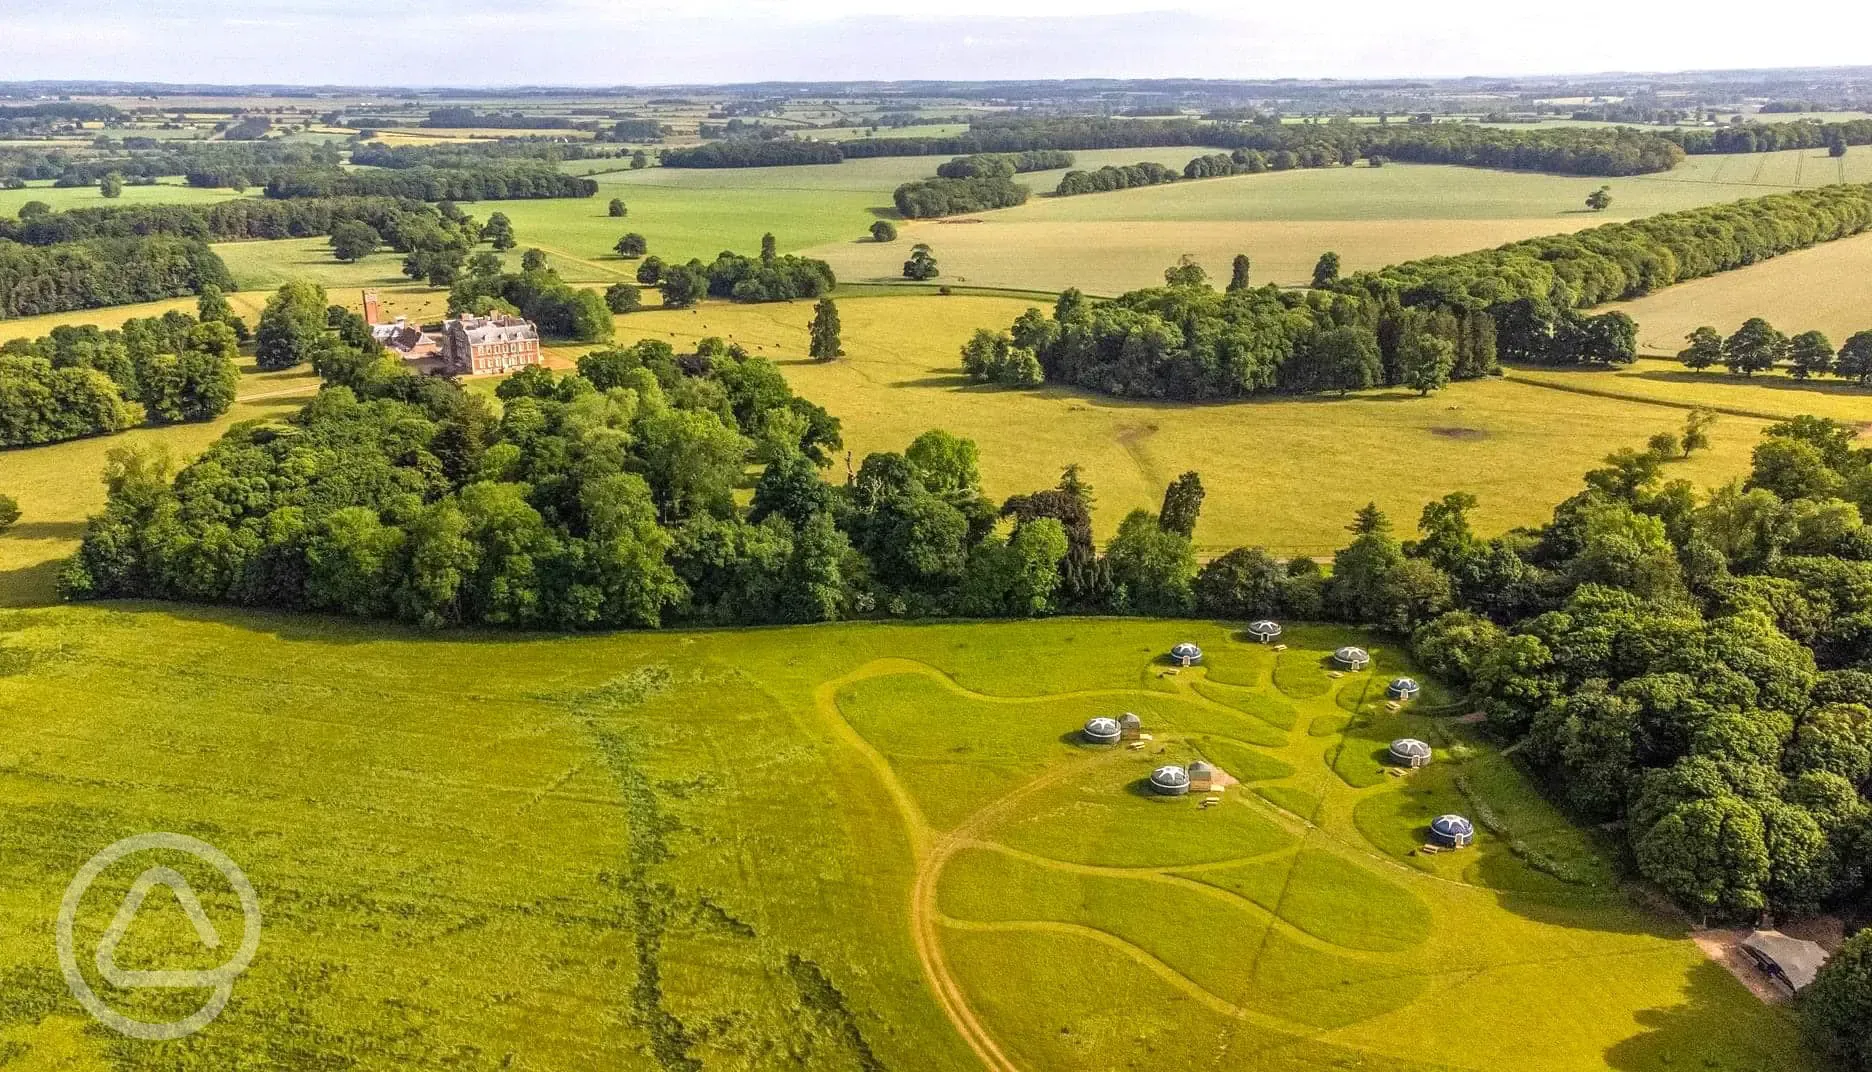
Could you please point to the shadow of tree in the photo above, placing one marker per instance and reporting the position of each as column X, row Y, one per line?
column 1719, row 1025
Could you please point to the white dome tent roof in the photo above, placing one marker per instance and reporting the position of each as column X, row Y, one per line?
column 1351, row 657
column 1264, row 629
column 1410, row 748
column 1170, row 780
column 1101, row 730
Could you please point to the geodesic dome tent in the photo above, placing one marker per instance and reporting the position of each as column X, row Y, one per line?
column 1352, row 658
column 1186, row 654
column 1170, row 781
column 1402, row 688
column 1101, row 730
column 1409, row 752
column 1264, row 630
column 1452, row 831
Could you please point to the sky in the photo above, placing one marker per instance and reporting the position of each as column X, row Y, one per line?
column 616, row 42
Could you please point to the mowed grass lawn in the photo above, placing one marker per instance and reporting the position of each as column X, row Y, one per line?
column 478, row 850
column 1285, row 473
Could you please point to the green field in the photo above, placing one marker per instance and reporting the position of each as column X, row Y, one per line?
column 170, row 191
column 1108, row 243
column 842, row 847
column 1287, row 473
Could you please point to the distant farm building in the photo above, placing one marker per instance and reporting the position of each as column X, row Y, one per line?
column 1101, row 730
column 1451, row 831
column 1402, row 688
column 1170, row 781
column 1409, row 752
column 1130, row 727
column 484, row 345
column 1201, row 776
column 1791, row 961
column 1352, row 658
column 1264, row 630
column 1186, row 654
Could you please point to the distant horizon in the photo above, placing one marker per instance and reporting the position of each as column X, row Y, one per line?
column 591, row 44
column 625, row 87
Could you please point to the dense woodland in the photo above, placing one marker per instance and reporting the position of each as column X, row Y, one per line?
column 104, row 271
column 222, row 221
column 1420, row 323
column 424, row 183
column 81, row 381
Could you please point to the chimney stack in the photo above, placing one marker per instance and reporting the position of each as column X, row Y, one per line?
column 373, row 312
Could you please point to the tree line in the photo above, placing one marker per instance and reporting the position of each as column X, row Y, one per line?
column 1629, row 259
column 1003, row 165
column 104, row 271
column 424, row 183
column 1420, row 323
column 1773, row 137
column 83, row 380
column 222, row 221
column 1757, row 346
column 229, row 161
column 476, row 154
column 1114, row 177
column 1607, row 151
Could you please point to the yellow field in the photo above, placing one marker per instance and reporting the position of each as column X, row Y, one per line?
column 1666, row 382
column 1107, row 258
column 1287, row 473
column 1824, row 288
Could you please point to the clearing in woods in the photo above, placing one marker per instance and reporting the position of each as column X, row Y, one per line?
column 878, row 844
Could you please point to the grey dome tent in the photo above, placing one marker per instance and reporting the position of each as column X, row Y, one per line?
column 1171, row 781
column 1402, row 688
column 1186, row 654
column 1410, row 752
column 1264, row 630
column 1352, row 658
column 1451, row 831
column 1101, row 730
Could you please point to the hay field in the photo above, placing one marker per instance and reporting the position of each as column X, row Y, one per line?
column 870, row 846
column 1109, row 258
column 1111, row 242
column 1285, row 473
column 1827, row 287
